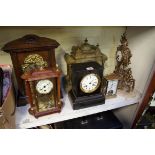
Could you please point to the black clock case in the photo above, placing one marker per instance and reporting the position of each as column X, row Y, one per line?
column 78, row 98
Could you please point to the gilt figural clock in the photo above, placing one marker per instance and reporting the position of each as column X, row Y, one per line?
column 122, row 69
column 28, row 53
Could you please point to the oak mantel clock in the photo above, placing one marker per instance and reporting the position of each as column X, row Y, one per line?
column 87, row 84
column 28, row 52
column 43, row 91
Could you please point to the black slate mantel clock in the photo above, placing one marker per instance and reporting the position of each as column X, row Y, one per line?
column 87, row 84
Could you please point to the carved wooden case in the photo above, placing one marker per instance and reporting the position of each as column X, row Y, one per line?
column 43, row 104
column 29, row 52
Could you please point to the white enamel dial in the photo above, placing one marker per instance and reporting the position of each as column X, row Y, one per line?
column 119, row 56
column 44, row 86
column 112, row 87
column 90, row 83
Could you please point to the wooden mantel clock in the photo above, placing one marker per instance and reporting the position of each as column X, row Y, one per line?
column 43, row 91
column 28, row 52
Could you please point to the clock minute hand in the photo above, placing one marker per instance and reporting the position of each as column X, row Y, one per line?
column 43, row 87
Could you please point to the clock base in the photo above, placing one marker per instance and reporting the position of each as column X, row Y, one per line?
column 21, row 100
column 86, row 101
column 110, row 96
column 37, row 114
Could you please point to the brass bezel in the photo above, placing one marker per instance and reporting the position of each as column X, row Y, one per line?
column 91, row 91
column 122, row 56
column 116, row 87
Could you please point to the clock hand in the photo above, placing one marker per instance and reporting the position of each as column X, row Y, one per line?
column 43, row 87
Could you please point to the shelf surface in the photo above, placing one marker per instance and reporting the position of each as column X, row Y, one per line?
column 25, row 120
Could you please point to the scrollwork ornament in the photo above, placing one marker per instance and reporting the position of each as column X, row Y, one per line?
column 122, row 69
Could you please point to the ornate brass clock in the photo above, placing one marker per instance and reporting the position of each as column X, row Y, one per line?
column 87, row 84
column 112, row 85
column 27, row 53
column 122, row 69
column 43, row 91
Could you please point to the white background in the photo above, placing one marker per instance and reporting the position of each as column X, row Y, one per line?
column 88, row 13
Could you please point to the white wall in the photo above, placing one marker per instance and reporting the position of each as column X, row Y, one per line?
column 142, row 44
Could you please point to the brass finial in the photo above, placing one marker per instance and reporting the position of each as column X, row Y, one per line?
column 86, row 40
column 97, row 45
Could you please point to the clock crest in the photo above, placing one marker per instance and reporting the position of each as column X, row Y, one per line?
column 34, row 60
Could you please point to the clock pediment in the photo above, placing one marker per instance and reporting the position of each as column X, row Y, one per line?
column 86, row 50
column 30, row 42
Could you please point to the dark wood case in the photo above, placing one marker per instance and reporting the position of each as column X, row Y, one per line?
column 20, row 48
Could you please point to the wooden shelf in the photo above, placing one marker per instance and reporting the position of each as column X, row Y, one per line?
column 25, row 120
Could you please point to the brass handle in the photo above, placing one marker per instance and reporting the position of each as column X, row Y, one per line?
column 99, row 118
column 84, row 122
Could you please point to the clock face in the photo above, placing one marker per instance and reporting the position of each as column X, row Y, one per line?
column 112, row 87
column 44, row 86
column 119, row 56
column 90, row 83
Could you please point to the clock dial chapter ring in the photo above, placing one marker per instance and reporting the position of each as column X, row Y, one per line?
column 119, row 56
column 44, row 86
column 90, row 83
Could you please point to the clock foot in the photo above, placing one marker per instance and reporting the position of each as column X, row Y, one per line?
column 21, row 100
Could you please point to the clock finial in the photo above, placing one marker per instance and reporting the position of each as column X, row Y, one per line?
column 86, row 40
column 97, row 45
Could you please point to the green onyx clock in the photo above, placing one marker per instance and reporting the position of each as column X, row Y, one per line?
column 87, row 84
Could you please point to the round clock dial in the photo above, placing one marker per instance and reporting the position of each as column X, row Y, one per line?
column 90, row 83
column 119, row 56
column 112, row 87
column 44, row 86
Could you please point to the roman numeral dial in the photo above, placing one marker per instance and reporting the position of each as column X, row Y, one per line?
column 90, row 83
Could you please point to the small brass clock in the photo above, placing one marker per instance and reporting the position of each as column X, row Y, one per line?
column 112, row 85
